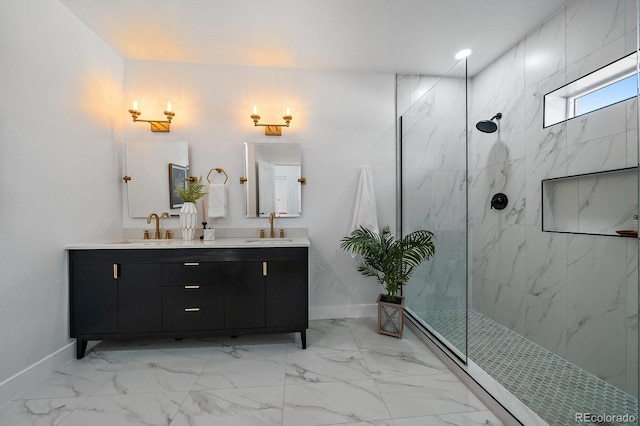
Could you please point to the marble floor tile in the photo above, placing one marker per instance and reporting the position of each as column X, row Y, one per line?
column 231, row 407
column 485, row 418
column 327, row 367
column 82, row 377
column 126, row 410
column 251, row 349
column 107, row 360
column 224, row 371
column 370, row 340
column 199, row 355
column 152, row 377
column 72, row 380
column 329, row 326
column 348, row 375
column 335, row 402
column 259, row 339
column 37, row 412
column 385, row 363
column 427, row 395
column 334, row 341
column 369, row 324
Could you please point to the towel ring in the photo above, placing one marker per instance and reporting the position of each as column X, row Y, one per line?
column 219, row 170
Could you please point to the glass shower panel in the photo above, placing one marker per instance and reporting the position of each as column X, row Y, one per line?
column 434, row 197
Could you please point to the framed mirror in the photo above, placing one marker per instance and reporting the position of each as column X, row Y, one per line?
column 149, row 164
column 273, row 172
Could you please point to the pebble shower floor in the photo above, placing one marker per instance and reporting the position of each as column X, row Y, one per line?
column 551, row 386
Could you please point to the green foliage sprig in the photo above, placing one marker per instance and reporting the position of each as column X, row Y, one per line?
column 193, row 192
column 390, row 261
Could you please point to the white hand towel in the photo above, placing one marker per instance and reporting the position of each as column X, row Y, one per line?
column 365, row 213
column 217, row 200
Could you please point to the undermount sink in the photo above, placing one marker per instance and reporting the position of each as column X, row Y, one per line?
column 141, row 242
column 268, row 240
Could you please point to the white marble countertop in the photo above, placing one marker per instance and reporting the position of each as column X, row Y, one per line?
column 225, row 242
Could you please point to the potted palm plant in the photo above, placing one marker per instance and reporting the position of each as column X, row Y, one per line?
column 392, row 262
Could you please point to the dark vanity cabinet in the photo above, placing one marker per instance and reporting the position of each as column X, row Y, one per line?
column 245, row 293
column 136, row 293
column 192, row 296
column 115, row 298
column 285, row 303
column 266, row 294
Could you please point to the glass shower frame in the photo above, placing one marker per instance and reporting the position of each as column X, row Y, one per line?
column 433, row 181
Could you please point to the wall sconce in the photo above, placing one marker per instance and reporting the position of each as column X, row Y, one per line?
column 272, row 129
column 156, row 125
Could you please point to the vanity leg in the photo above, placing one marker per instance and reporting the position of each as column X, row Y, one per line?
column 303, row 338
column 81, row 347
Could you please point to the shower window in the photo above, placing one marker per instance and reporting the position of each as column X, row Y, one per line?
column 606, row 86
column 611, row 93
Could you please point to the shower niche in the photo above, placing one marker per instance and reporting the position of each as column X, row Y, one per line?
column 601, row 203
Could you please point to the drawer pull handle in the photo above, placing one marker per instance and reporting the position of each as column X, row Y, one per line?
column 192, row 309
column 192, row 264
column 192, row 287
column 115, row 271
column 264, row 269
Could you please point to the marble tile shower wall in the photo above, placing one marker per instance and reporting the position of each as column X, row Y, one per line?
column 576, row 295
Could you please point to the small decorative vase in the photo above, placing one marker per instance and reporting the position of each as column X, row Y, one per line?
column 390, row 317
column 188, row 219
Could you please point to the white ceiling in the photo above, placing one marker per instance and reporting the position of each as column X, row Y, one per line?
column 398, row 36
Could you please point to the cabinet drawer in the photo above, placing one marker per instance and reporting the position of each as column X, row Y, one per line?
column 192, row 273
column 193, row 318
column 181, row 297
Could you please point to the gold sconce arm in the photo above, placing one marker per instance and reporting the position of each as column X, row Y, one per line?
column 271, row 129
column 156, row 125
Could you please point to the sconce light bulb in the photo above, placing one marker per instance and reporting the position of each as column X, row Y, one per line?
column 255, row 110
column 287, row 111
column 135, row 105
column 169, row 106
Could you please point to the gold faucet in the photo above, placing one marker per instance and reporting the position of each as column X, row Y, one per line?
column 157, row 236
column 163, row 214
column 272, row 216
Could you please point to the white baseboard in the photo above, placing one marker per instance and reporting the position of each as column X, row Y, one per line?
column 31, row 376
column 342, row 311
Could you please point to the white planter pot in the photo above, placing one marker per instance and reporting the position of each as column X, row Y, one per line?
column 188, row 219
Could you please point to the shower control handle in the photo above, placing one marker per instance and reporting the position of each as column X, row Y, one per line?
column 499, row 201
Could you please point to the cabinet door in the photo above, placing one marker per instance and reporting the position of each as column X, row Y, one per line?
column 139, row 298
column 286, row 294
column 94, row 299
column 244, row 295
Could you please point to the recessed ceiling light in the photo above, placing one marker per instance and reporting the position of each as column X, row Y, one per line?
column 463, row 53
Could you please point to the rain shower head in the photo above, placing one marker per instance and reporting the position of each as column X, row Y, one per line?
column 489, row 126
